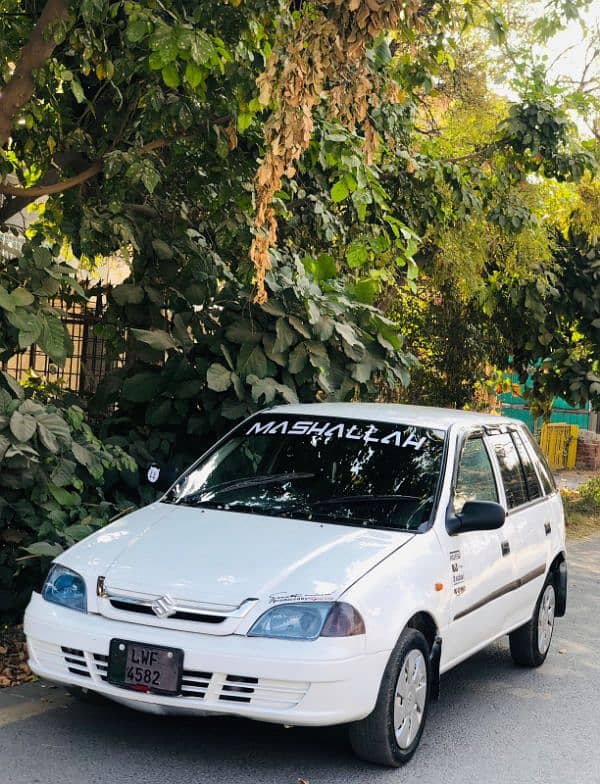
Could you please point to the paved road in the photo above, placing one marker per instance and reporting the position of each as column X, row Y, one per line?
column 494, row 724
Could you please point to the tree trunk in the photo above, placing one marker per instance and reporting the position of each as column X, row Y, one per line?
column 34, row 54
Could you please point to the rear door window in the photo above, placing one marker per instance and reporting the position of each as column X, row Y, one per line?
column 511, row 469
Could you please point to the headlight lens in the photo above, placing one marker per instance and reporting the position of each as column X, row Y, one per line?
column 309, row 620
column 65, row 587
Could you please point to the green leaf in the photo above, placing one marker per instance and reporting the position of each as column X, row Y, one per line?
column 63, row 474
column 62, row 496
column 47, row 438
column 150, row 177
column 252, row 360
column 170, row 75
column 244, row 121
column 30, row 331
column 4, row 446
column 160, row 414
column 201, row 48
column 366, row 290
column 82, row 455
column 137, row 30
column 321, row 268
column 162, row 250
column 194, row 75
column 157, row 339
column 340, row 191
column 6, row 301
column 244, row 332
column 233, row 409
column 12, row 384
column 54, row 339
column 218, row 377
column 56, row 425
column 22, row 426
column 286, row 336
column 297, row 359
column 268, row 388
column 44, row 549
column 128, row 294
column 142, row 387
column 347, row 333
column 78, row 531
column 357, row 255
column 22, row 297
column 42, row 257
column 77, row 91
column 300, row 326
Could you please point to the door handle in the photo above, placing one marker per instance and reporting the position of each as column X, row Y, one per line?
column 505, row 548
column 547, row 528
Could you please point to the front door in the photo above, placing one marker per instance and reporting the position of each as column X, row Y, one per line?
column 481, row 562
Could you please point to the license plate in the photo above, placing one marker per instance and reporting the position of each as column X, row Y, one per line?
column 134, row 665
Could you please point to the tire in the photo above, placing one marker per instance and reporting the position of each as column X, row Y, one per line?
column 389, row 735
column 530, row 643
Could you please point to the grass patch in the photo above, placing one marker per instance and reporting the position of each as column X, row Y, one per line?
column 582, row 509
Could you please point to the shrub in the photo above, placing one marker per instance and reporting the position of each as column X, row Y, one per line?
column 58, row 483
column 589, row 493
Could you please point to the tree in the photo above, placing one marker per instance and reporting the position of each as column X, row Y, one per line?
column 150, row 134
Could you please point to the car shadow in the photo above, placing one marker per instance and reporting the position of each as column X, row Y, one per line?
column 214, row 746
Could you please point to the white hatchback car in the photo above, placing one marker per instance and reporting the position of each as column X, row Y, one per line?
column 321, row 564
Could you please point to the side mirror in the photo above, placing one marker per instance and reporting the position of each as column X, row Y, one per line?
column 476, row 516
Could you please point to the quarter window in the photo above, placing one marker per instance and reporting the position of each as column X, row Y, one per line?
column 548, row 483
column 513, row 476
column 533, row 486
column 475, row 480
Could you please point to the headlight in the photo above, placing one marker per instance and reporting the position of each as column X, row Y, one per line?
column 309, row 620
column 65, row 587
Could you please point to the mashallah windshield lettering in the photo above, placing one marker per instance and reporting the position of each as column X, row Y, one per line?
column 348, row 472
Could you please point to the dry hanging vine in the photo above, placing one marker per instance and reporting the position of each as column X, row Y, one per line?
column 324, row 58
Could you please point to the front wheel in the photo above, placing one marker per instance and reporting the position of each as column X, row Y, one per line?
column 530, row 643
column 391, row 733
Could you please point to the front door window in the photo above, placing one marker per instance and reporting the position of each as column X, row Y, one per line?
column 475, row 480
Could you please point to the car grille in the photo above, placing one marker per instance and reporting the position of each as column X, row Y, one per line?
column 76, row 662
column 215, row 688
column 178, row 616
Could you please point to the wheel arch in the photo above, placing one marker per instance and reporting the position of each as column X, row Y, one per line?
column 425, row 623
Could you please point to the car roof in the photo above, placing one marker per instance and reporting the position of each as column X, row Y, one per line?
column 421, row 416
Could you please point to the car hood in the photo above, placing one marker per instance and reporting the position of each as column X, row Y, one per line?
column 223, row 558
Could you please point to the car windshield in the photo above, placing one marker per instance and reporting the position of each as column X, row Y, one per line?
column 344, row 471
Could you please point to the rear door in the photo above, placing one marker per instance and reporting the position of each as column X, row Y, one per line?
column 526, row 513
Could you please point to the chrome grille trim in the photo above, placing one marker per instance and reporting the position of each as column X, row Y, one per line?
column 180, row 609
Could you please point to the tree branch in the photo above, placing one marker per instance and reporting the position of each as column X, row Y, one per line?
column 33, row 55
column 37, row 191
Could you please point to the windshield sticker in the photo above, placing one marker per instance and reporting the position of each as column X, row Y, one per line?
column 278, row 598
column 347, row 430
column 458, row 573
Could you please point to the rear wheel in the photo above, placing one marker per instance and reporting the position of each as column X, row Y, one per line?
column 391, row 733
column 530, row 643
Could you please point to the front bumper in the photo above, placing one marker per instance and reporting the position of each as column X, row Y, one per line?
column 326, row 681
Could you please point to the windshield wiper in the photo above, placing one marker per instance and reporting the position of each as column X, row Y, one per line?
column 239, row 484
column 358, row 499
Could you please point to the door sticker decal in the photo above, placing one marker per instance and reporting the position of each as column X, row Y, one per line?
column 458, row 573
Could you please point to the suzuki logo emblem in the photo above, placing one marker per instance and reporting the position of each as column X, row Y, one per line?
column 163, row 607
